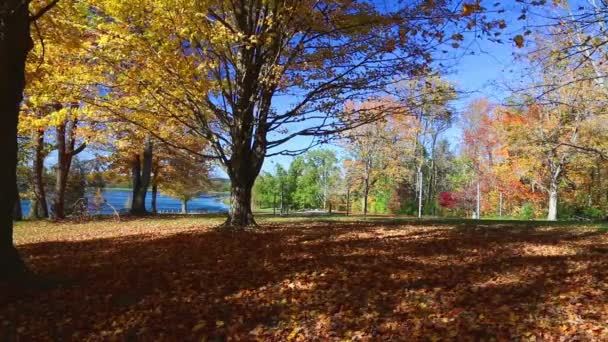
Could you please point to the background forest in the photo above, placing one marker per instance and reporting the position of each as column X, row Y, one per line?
column 94, row 115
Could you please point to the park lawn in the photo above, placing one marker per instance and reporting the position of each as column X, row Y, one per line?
column 176, row 278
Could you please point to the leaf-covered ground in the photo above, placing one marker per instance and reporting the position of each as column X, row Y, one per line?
column 177, row 279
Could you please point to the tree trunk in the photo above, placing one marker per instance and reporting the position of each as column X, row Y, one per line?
column 243, row 168
column 365, row 195
column 184, row 206
column 63, row 169
column 141, row 172
column 348, row 201
column 240, row 205
column 552, row 215
column 136, row 203
column 154, row 195
column 34, row 206
column 420, row 185
column 39, row 208
column 15, row 43
column 556, row 173
column 17, row 212
column 66, row 150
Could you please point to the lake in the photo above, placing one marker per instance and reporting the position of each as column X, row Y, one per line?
column 120, row 199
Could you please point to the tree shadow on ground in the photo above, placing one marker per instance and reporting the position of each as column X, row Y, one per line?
column 325, row 280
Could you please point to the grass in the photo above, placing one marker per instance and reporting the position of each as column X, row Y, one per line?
column 310, row 278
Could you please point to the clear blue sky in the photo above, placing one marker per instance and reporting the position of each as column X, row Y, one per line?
column 479, row 72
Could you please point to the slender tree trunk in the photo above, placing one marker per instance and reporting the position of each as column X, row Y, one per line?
column 478, row 202
column 154, row 195
column 141, row 173
column 282, row 199
column 39, row 207
column 420, row 185
column 365, row 196
column 556, row 172
column 348, row 201
column 15, row 43
column 552, row 215
column 184, row 206
column 17, row 212
column 155, row 179
column 500, row 205
column 63, row 169
column 34, row 206
column 136, row 204
column 66, row 150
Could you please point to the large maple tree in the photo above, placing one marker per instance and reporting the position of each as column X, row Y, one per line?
column 249, row 76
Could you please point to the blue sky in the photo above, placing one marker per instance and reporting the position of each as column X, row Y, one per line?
column 480, row 68
column 478, row 73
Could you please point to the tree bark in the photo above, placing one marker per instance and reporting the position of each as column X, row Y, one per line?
column 243, row 167
column 556, row 174
column 365, row 195
column 63, row 168
column 15, row 43
column 39, row 207
column 60, row 174
column 552, row 215
column 141, row 173
column 241, row 215
column 66, row 150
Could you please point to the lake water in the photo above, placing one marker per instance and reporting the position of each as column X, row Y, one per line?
column 121, row 201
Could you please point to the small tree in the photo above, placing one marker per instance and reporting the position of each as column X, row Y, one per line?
column 184, row 177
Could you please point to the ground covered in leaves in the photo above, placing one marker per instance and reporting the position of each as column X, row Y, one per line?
column 178, row 279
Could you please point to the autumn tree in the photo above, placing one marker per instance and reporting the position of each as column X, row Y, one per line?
column 58, row 81
column 15, row 44
column 221, row 67
column 184, row 177
column 35, row 127
column 428, row 99
column 380, row 149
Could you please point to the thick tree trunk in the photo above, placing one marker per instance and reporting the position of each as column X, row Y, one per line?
column 15, row 43
column 552, row 215
column 243, row 168
column 39, row 208
column 141, row 173
column 184, row 206
column 240, row 205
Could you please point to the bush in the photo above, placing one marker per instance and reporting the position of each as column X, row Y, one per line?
column 527, row 211
column 593, row 213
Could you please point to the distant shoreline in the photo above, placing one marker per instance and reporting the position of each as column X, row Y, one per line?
column 213, row 193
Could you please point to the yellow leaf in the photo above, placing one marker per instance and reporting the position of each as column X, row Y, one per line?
column 468, row 9
column 519, row 41
column 219, row 324
column 200, row 325
column 293, row 333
